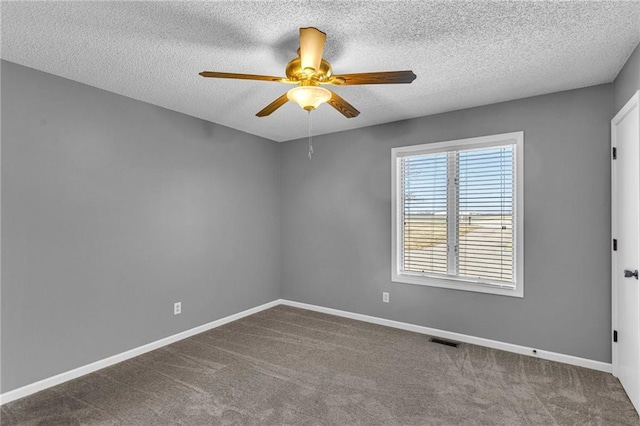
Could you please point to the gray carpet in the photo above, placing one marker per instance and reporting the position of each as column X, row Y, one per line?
column 297, row 367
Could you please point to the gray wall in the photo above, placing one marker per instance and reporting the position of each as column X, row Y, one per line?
column 628, row 80
column 336, row 224
column 112, row 209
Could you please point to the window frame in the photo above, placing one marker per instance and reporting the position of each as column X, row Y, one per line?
column 457, row 282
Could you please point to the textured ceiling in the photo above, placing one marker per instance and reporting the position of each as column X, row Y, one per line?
column 464, row 53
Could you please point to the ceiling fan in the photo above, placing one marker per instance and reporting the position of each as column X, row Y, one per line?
column 309, row 71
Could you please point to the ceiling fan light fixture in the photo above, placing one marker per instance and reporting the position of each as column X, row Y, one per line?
column 309, row 97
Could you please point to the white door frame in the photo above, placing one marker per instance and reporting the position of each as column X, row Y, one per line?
column 632, row 106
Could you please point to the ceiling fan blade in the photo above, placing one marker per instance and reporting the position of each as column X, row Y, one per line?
column 388, row 77
column 273, row 106
column 344, row 107
column 213, row 74
column 311, row 46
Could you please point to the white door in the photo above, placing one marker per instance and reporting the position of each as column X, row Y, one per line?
column 625, row 198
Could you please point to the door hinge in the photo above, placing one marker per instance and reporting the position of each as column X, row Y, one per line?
column 614, row 153
column 615, row 244
column 615, row 336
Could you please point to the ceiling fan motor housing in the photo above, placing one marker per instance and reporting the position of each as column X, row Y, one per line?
column 295, row 72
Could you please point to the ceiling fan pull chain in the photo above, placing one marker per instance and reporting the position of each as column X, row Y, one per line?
column 310, row 141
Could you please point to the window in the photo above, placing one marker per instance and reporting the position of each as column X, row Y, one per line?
column 457, row 214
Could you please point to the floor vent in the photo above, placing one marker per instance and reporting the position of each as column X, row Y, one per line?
column 444, row 342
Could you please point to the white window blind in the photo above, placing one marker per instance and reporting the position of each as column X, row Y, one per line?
column 485, row 214
column 456, row 213
column 425, row 213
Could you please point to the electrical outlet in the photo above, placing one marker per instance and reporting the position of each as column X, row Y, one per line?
column 177, row 308
column 385, row 297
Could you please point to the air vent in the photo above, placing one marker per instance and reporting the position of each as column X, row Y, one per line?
column 444, row 342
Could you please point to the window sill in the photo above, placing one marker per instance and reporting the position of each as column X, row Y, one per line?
column 457, row 284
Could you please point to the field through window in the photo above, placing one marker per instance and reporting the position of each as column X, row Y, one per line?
column 485, row 245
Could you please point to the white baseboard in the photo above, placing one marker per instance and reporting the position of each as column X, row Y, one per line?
column 508, row 347
column 98, row 365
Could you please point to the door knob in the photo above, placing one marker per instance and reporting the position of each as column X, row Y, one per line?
column 629, row 274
